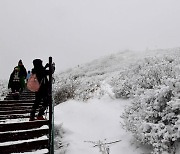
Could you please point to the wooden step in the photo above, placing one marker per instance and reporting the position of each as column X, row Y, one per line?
column 22, row 135
column 7, row 108
column 22, row 125
column 16, row 105
column 28, row 95
column 14, row 116
column 28, row 92
column 24, row 93
column 19, row 99
column 16, row 101
column 18, row 108
column 15, row 112
column 21, row 95
column 24, row 147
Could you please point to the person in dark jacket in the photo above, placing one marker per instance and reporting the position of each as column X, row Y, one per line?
column 42, row 95
column 14, row 81
column 22, row 74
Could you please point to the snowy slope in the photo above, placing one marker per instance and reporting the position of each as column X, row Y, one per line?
column 97, row 121
column 86, row 124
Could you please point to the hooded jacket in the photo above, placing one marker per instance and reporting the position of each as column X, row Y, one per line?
column 41, row 74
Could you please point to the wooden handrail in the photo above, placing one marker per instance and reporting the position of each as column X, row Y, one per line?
column 51, row 110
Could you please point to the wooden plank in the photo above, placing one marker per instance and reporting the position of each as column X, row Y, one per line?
column 22, row 135
column 28, row 92
column 26, row 108
column 15, row 112
column 17, row 104
column 16, row 101
column 22, row 125
column 7, row 108
column 21, row 97
column 24, row 147
column 24, row 93
column 13, row 116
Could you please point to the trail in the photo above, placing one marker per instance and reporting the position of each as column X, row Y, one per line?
column 93, row 121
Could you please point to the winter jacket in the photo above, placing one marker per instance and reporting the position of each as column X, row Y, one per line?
column 41, row 74
column 14, row 77
column 22, row 75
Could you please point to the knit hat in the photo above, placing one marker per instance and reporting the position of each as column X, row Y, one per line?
column 20, row 61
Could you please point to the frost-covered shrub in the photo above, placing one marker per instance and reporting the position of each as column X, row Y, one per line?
column 86, row 89
column 123, row 90
column 154, row 117
column 66, row 89
column 63, row 94
column 60, row 146
column 75, row 87
column 3, row 89
column 114, row 70
column 144, row 75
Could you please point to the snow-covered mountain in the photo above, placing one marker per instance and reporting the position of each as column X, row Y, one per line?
column 86, row 81
column 147, row 82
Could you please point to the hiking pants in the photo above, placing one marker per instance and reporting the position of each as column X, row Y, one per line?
column 15, row 87
column 41, row 98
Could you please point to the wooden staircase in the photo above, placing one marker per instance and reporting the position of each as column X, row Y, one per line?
column 22, row 135
column 26, row 95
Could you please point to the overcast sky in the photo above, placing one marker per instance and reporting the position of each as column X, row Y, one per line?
column 77, row 31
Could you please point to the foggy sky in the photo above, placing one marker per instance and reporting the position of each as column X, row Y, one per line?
column 77, row 31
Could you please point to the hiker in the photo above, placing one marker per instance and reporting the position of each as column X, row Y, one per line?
column 14, row 82
column 22, row 74
column 42, row 94
column 28, row 76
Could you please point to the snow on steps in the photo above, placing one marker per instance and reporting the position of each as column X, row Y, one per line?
column 18, row 137
column 24, row 96
column 12, row 109
column 23, row 136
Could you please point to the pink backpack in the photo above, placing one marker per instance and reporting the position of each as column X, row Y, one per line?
column 33, row 83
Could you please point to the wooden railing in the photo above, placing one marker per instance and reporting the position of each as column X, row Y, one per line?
column 51, row 110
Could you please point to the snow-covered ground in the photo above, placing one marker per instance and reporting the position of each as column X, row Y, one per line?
column 95, row 122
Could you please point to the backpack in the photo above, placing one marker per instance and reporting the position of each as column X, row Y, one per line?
column 33, row 83
column 16, row 77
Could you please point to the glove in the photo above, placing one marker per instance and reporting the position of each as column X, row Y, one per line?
column 53, row 67
column 47, row 65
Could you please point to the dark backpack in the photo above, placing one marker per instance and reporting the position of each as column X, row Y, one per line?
column 16, row 77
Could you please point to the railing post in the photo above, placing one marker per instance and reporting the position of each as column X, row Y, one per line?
column 51, row 110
